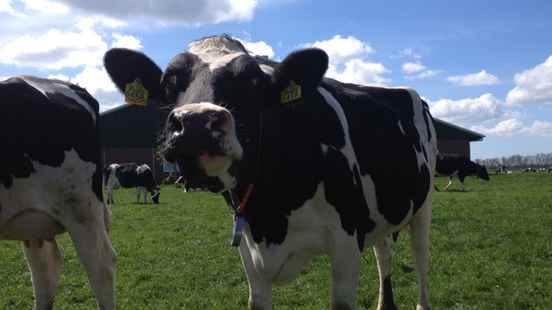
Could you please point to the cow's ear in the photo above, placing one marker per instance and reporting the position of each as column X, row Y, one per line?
column 126, row 66
column 304, row 68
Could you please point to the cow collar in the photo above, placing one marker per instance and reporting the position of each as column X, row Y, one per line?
column 230, row 195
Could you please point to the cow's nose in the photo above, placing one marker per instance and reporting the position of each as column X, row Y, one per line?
column 200, row 117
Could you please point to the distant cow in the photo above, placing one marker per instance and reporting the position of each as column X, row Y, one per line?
column 51, row 182
column 314, row 166
column 459, row 166
column 129, row 175
column 503, row 170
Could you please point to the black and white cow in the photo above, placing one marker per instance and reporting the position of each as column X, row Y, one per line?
column 461, row 167
column 129, row 175
column 318, row 167
column 51, row 182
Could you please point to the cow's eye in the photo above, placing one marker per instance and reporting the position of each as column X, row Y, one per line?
column 171, row 89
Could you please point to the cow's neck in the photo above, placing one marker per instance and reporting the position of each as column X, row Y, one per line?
column 249, row 169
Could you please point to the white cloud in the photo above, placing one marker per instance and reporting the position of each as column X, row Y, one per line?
column 539, row 128
column 126, row 41
column 6, row 7
column 513, row 126
column 533, row 85
column 474, row 79
column 348, row 61
column 360, row 72
column 260, row 48
column 408, row 53
column 427, row 74
column 412, row 67
column 167, row 12
column 46, row 6
column 418, row 71
column 506, row 127
column 341, row 49
column 488, row 115
column 94, row 79
column 55, row 49
column 97, row 82
column 468, row 111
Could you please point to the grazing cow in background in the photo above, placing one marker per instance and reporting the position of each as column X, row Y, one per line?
column 317, row 166
column 459, row 166
column 503, row 170
column 129, row 175
column 51, row 182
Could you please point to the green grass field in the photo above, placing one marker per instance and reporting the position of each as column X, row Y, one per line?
column 491, row 249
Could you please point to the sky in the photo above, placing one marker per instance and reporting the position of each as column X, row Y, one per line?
column 483, row 65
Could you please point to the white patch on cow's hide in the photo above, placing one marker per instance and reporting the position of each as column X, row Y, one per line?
column 313, row 229
column 267, row 69
column 216, row 51
column 142, row 168
column 62, row 89
column 58, row 193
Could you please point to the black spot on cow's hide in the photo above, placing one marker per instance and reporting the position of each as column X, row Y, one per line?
column 343, row 190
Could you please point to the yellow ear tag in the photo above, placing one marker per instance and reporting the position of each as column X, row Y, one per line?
column 136, row 93
column 291, row 93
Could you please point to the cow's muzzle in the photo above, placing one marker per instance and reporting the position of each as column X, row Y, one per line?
column 201, row 139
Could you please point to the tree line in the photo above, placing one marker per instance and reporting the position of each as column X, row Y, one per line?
column 540, row 160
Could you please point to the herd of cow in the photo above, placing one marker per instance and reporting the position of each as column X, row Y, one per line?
column 311, row 165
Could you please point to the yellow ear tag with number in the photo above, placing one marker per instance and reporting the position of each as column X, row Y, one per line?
column 136, row 93
column 291, row 93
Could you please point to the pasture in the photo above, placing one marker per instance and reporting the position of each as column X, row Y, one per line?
column 491, row 249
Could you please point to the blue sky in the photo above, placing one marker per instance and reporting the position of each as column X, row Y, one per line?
column 484, row 65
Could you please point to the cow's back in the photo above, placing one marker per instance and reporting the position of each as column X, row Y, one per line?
column 40, row 121
column 394, row 142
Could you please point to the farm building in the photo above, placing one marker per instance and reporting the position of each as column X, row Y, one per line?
column 129, row 134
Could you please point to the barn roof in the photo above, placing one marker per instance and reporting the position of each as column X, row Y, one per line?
column 135, row 126
column 446, row 130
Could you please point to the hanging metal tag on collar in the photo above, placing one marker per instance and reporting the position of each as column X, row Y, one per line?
column 239, row 219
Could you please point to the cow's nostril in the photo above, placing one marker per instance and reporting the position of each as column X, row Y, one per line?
column 175, row 125
column 220, row 119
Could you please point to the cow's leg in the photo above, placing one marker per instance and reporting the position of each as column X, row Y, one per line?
column 461, row 178
column 260, row 289
column 419, row 242
column 383, row 252
column 138, row 194
column 110, row 196
column 89, row 234
column 345, row 261
column 46, row 263
column 449, row 183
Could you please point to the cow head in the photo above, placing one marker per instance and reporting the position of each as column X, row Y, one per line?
column 482, row 172
column 217, row 92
